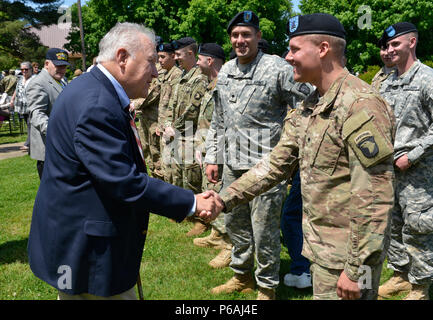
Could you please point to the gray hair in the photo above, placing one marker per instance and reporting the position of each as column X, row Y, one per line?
column 123, row 35
column 27, row 64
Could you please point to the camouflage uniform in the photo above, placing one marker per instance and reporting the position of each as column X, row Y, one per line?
column 411, row 97
column 204, row 119
column 343, row 142
column 380, row 77
column 250, row 105
column 147, row 113
column 167, row 83
column 183, row 111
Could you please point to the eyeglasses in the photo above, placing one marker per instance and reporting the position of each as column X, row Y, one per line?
column 24, row 69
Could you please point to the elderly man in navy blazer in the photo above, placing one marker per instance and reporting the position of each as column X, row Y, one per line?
column 92, row 208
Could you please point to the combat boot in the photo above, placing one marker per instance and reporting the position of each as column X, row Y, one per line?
column 395, row 285
column 214, row 240
column 198, row 228
column 223, row 258
column 418, row 292
column 266, row 294
column 239, row 282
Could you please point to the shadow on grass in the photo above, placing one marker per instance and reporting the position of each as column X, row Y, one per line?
column 14, row 251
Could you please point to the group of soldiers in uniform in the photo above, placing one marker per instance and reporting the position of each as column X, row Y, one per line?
column 244, row 127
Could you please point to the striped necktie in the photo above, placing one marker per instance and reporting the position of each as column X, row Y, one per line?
column 137, row 137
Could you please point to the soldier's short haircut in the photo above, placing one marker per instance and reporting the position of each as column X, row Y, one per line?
column 193, row 47
column 123, row 35
column 337, row 44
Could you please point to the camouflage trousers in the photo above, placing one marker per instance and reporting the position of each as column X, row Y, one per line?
column 166, row 158
column 218, row 223
column 411, row 247
column 150, row 142
column 325, row 282
column 254, row 230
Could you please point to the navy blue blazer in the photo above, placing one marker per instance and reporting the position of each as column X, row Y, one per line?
column 92, row 207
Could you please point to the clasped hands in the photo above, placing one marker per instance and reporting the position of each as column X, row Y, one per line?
column 209, row 205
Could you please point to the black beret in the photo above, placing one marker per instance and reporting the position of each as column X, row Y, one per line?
column 165, row 47
column 212, row 50
column 182, row 43
column 395, row 31
column 315, row 23
column 244, row 18
column 158, row 40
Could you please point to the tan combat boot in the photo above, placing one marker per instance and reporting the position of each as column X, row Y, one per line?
column 266, row 294
column 214, row 240
column 198, row 228
column 240, row 282
column 223, row 258
column 418, row 292
column 395, row 285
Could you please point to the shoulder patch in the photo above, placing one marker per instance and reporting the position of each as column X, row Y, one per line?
column 366, row 140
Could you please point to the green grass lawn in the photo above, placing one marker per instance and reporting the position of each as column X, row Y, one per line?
column 172, row 267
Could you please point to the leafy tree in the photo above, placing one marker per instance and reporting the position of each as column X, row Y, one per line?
column 361, row 41
column 204, row 20
column 17, row 43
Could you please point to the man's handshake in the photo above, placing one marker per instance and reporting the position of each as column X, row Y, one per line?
column 209, row 205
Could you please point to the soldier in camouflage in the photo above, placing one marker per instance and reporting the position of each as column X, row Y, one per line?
column 251, row 98
column 409, row 91
column 147, row 113
column 182, row 118
column 211, row 57
column 173, row 73
column 386, row 70
column 342, row 138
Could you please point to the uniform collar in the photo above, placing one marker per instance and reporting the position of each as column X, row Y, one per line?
column 406, row 78
column 236, row 73
column 319, row 104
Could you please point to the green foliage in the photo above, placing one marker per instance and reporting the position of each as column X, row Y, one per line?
column 17, row 43
column 428, row 63
column 204, row 20
column 368, row 75
column 361, row 42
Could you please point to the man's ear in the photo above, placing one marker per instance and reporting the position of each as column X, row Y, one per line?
column 122, row 57
column 323, row 49
column 259, row 34
column 412, row 42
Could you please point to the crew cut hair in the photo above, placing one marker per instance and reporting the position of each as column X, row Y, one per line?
column 123, row 35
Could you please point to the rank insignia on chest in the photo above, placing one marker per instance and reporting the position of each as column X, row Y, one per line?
column 367, row 144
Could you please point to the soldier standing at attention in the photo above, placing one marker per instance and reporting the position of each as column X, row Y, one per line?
column 386, row 70
column 147, row 113
column 409, row 92
column 211, row 58
column 342, row 137
column 173, row 73
column 182, row 118
column 251, row 98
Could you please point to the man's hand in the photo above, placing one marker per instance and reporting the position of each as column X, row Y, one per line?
column 212, row 173
column 403, row 163
column 158, row 132
column 209, row 205
column 347, row 289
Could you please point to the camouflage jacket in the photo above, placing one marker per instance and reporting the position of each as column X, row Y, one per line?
column 168, row 82
column 8, row 84
column 205, row 117
column 184, row 105
column 410, row 95
column 250, row 106
column 380, row 77
column 343, row 142
column 148, row 107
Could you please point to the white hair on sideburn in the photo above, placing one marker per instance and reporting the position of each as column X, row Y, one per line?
column 123, row 35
